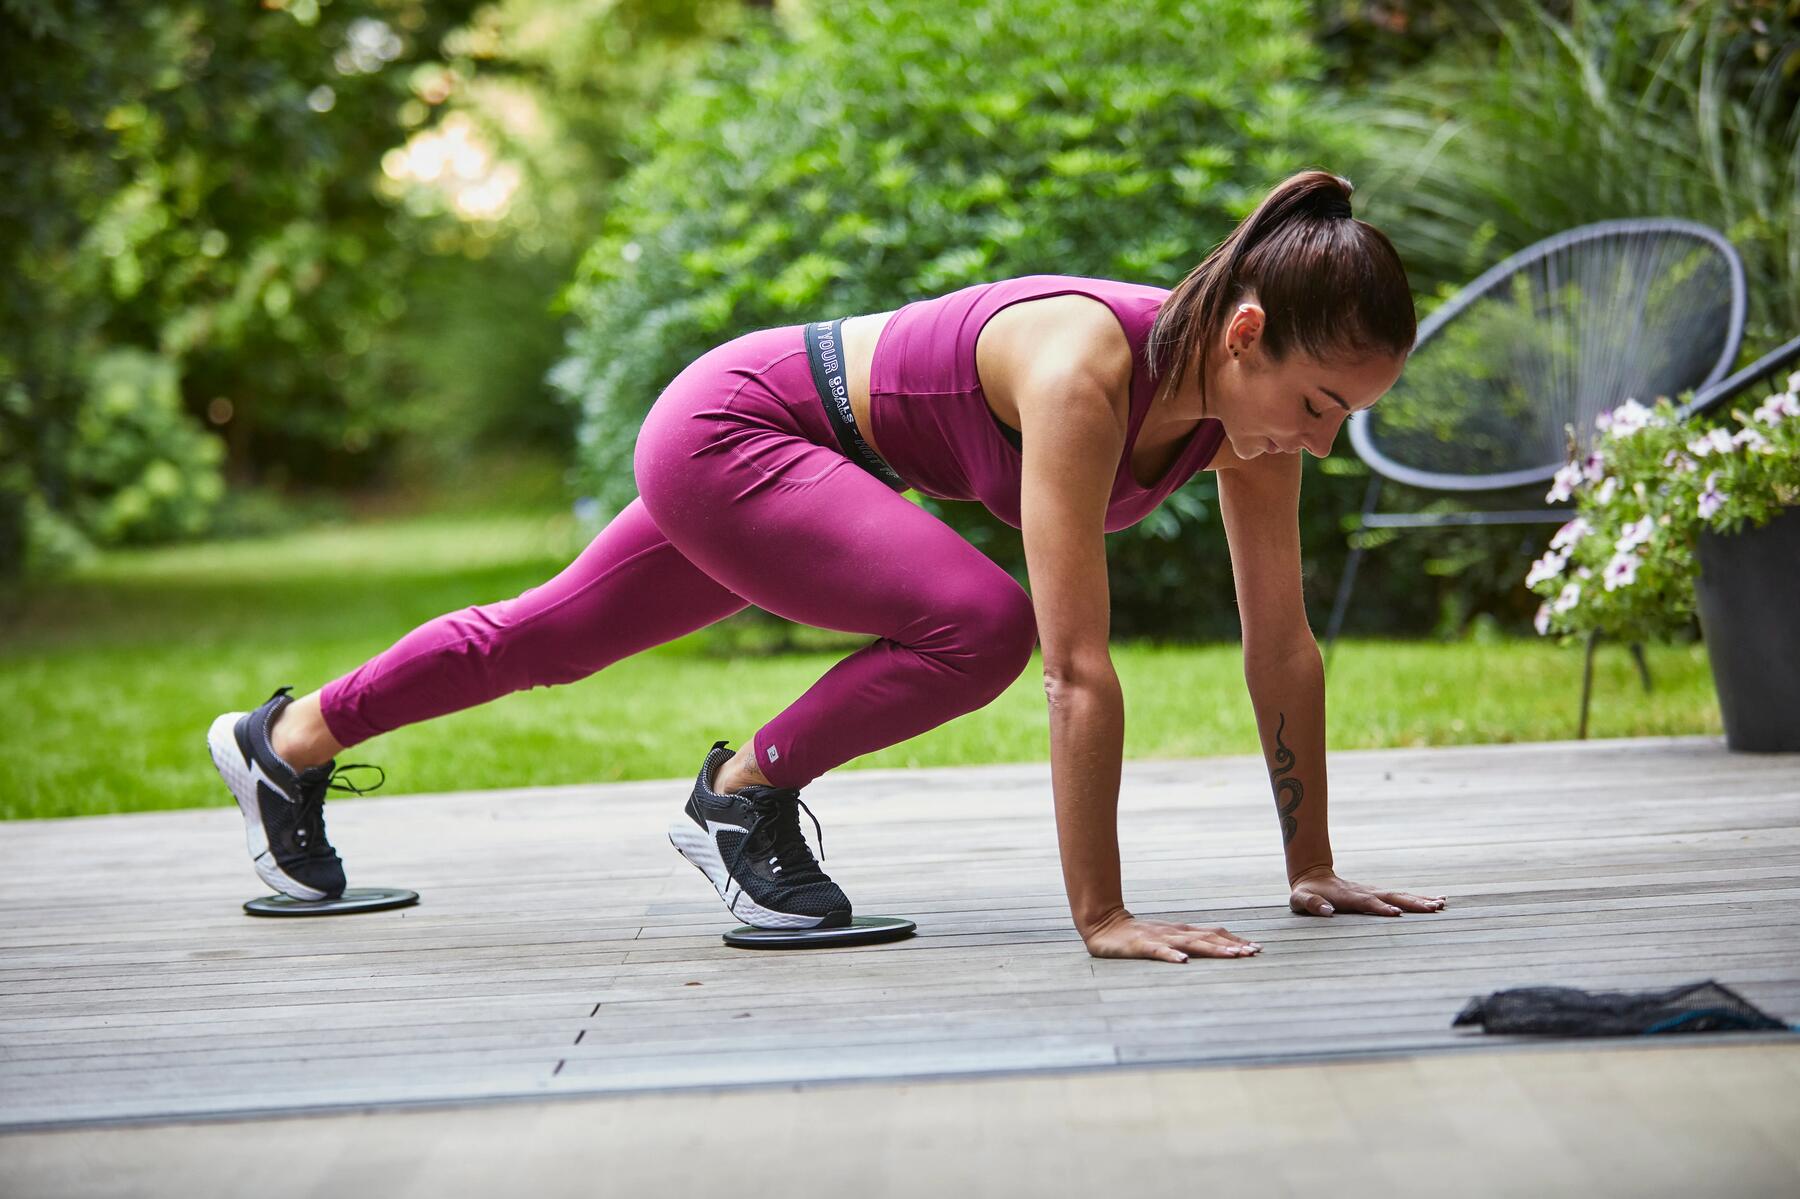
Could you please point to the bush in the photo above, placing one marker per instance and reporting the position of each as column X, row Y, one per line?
column 141, row 469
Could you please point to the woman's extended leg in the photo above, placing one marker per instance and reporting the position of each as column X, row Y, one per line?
column 630, row 589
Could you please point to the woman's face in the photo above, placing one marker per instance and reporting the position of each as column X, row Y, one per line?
column 1297, row 404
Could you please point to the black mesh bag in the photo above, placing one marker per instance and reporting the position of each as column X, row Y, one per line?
column 1571, row 1012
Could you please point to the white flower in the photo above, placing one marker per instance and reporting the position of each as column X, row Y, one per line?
column 1563, row 485
column 1626, row 419
column 1608, row 485
column 1547, row 567
column 1594, row 466
column 1713, row 439
column 1794, row 381
column 1570, row 594
column 1750, row 437
column 1582, row 572
column 1541, row 621
column 1635, row 534
column 1621, row 570
column 1570, row 533
column 1711, row 499
column 1772, row 410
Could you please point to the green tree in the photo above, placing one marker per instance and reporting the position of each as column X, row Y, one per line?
column 198, row 187
column 232, row 189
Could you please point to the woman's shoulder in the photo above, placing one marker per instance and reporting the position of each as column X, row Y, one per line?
column 1050, row 282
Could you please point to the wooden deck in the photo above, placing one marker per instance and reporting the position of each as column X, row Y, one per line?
column 563, row 947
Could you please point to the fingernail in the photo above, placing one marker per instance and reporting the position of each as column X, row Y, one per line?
column 1325, row 907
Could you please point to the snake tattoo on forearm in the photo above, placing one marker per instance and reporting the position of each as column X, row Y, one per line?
column 1285, row 759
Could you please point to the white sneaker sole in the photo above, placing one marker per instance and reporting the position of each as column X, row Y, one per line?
column 697, row 847
column 228, row 760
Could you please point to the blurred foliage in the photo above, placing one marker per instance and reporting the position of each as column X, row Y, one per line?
column 139, row 469
column 333, row 232
column 1683, row 108
column 1528, row 120
column 278, row 203
column 551, row 89
column 197, row 187
column 789, row 181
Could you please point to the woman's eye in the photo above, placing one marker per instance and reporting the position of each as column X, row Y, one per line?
column 1308, row 404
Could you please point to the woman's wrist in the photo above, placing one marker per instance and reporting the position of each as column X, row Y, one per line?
column 1088, row 926
column 1310, row 870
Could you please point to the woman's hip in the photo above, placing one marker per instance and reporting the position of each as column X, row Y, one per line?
column 751, row 410
column 761, row 378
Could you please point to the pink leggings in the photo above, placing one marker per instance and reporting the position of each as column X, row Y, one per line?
column 744, row 498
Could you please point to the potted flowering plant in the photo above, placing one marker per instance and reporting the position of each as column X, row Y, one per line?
column 1669, row 512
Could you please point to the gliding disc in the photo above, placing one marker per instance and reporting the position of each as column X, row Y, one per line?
column 354, row 899
column 861, row 930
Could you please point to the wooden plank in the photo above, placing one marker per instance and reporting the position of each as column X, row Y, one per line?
column 449, row 951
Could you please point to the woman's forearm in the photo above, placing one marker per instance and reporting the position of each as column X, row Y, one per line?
column 1288, row 695
column 1087, row 744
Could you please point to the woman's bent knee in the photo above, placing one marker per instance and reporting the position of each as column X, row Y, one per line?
column 999, row 634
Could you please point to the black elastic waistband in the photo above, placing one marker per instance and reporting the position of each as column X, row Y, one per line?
column 825, row 349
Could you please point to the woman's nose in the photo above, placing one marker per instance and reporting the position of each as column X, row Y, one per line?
column 1327, row 437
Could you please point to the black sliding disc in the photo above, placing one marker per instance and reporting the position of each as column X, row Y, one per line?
column 862, row 930
column 354, row 899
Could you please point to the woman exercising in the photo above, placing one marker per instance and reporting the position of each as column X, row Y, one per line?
column 770, row 472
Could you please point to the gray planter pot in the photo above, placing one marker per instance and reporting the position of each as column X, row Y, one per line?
column 1748, row 594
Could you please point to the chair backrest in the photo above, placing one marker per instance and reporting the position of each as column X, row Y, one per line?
column 1550, row 338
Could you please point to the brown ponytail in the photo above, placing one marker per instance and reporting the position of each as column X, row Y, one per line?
column 1330, row 285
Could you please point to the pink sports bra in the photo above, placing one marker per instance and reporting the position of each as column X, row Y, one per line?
column 928, row 412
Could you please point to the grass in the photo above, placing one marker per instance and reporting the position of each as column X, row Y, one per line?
column 110, row 677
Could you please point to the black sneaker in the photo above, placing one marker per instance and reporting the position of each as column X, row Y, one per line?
column 749, row 845
column 284, row 810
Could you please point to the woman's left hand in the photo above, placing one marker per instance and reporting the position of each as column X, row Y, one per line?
column 1321, row 892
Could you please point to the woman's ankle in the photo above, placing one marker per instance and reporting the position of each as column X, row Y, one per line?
column 739, row 772
column 299, row 737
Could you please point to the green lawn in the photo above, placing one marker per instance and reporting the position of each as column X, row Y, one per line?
column 109, row 679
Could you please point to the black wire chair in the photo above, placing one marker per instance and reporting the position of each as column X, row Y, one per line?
column 1509, row 373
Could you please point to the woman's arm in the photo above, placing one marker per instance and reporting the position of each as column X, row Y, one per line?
column 1260, row 503
column 1073, row 430
column 1288, row 694
column 1087, row 738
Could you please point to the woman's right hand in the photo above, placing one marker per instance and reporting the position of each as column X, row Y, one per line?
column 1125, row 936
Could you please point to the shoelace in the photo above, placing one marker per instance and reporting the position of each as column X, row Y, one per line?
column 309, row 808
column 775, row 810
